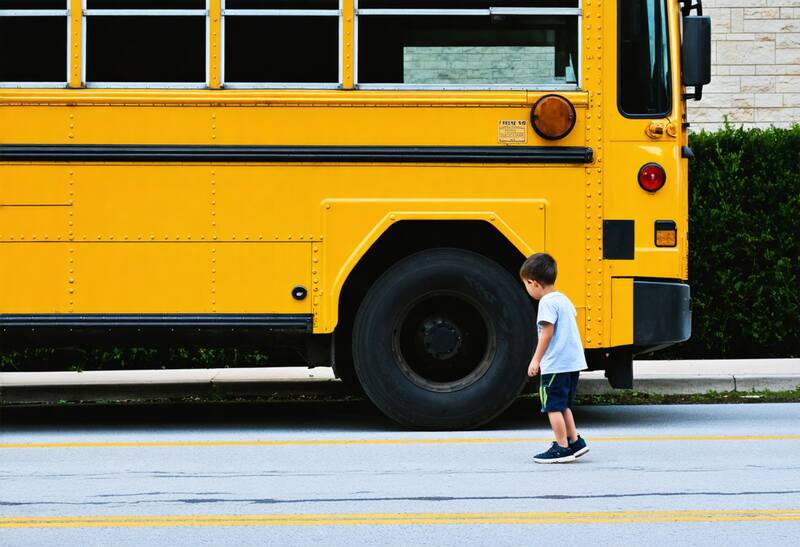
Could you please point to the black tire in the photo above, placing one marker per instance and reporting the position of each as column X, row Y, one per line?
column 442, row 340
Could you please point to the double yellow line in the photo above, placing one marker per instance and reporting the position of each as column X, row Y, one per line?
column 318, row 442
column 388, row 519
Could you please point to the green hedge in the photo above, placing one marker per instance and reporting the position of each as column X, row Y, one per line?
column 744, row 244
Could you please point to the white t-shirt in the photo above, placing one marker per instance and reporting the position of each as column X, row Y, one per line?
column 565, row 352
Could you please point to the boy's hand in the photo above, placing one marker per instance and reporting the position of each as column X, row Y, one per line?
column 545, row 335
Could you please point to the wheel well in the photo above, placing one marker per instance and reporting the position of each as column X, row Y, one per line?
column 409, row 236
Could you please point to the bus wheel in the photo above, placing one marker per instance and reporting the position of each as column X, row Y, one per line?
column 442, row 340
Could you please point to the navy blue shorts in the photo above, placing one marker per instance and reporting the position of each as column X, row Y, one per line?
column 557, row 391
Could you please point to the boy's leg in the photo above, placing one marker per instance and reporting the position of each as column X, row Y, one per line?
column 569, row 419
column 554, row 401
column 569, row 422
column 559, row 428
column 576, row 444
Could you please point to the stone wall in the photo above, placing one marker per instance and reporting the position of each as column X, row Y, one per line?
column 755, row 65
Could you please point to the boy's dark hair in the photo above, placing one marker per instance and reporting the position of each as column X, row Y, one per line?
column 540, row 267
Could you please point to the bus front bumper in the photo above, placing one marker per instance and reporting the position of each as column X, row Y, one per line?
column 662, row 314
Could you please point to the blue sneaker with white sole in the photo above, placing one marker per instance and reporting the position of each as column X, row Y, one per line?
column 578, row 447
column 555, row 454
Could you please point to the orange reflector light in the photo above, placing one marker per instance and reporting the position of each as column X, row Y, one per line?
column 553, row 117
column 666, row 233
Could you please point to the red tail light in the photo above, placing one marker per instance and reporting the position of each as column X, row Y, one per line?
column 652, row 177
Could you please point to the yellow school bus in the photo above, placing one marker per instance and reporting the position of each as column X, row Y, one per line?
column 358, row 179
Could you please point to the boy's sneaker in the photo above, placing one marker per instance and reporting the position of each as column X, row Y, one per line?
column 578, row 447
column 555, row 454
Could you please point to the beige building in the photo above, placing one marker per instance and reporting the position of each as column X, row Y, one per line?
column 755, row 65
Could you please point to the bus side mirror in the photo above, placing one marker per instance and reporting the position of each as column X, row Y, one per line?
column 696, row 53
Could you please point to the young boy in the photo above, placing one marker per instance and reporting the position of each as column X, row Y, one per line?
column 558, row 357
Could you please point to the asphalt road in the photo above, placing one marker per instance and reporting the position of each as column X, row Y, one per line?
column 341, row 474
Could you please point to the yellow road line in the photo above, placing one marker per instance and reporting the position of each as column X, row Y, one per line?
column 317, row 442
column 596, row 517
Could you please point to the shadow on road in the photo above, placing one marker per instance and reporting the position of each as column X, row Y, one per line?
column 330, row 416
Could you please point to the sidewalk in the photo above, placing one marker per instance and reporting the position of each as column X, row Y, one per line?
column 703, row 375
column 663, row 377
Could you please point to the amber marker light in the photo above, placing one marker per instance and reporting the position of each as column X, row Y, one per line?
column 553, row 117
column 666, row 233
column 652, row 177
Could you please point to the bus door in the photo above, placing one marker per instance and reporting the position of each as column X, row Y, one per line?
column 645, row 206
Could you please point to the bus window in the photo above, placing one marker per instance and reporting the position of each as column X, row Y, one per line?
column 130, row 43
column 644, row 71
column 469, row 43
column 145, row 4
column 281, row 43
column 282, row 4
column 33, row 39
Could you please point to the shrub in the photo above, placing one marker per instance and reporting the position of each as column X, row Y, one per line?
column 744, row 244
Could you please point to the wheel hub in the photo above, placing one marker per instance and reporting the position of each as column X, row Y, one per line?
column 442, row 338
column 443, row 342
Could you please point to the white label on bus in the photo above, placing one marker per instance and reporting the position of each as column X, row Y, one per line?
column 512, row 131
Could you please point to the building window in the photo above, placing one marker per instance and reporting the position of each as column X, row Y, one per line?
column 146, row 43
column 34, row 37
column 281, row 43
column 463, row 44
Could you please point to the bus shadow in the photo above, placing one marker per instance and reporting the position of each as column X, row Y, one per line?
column 326, row 416
column 318, row 415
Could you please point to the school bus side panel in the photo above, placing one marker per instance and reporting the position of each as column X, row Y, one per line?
column 160, row 236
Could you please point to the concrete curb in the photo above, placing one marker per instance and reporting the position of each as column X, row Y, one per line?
column 696, row 385
column 700, row 376
column 657, row 377
column 108, row 385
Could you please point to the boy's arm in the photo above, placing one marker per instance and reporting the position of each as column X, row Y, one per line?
column 544, row 341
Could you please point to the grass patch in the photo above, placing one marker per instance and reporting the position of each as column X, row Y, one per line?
column 621, row 397
column 630, row 397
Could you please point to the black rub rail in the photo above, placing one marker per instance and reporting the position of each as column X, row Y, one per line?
column 296, row 322
column 285, row 154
